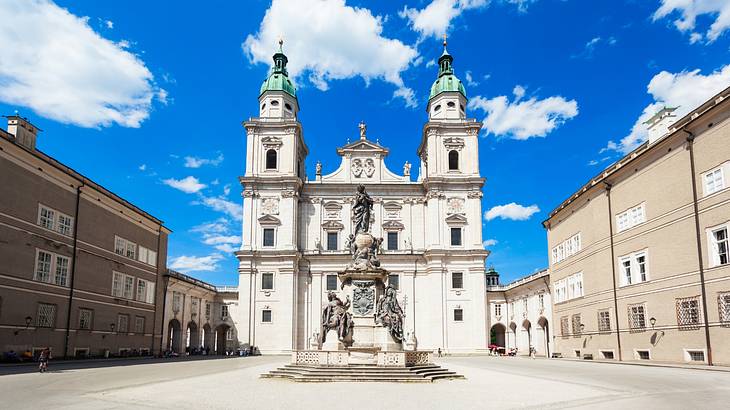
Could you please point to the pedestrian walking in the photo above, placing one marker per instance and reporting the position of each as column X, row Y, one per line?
column 43, row 360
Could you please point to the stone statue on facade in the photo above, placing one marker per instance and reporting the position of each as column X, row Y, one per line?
column 363, row 246
column 336, row 317
column 318, row 168
column 407, row 169
column 362, row 209
column 389, row 313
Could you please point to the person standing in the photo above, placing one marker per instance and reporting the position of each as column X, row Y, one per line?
column 43, row 360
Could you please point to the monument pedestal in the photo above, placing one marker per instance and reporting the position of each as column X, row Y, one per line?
column 332, row 343
column 386, row 342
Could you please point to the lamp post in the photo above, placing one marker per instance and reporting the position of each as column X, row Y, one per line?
column 582, row 327
column 112, row 326
column 653, row 322
column 28, row 320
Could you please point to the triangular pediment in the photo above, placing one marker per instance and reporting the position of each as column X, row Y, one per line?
column 269, row 220
column 363, row 145
column 333, row 225
column 456, row 219
column 393, row 225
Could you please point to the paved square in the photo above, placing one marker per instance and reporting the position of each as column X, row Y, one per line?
column 499, row 383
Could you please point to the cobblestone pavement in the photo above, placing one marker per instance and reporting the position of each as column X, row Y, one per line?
column 499, row 383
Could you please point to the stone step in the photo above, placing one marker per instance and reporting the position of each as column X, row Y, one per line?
column 362, row 373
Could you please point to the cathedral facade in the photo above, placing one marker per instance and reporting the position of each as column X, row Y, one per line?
column 295, row 228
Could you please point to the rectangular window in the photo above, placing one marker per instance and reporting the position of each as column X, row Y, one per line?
column 392, row 241
column 331, row 282
column 142, row 254
column 696, row 355
column 123, row 323
column 266, row 316
column 455, row 236
column 688, row 312
column 85, row 318
column 576, row 324
column 524, row 305
column 567, row 248
column 207, row 309
column 719, row 245
column 457, row 280
column 139, row 324
column 176, row 301
column 631, row 217
column 51, row 268
column 458, row 315
column 637, row 317
column 43, row 266
column 564, row 330
column 604, row 320
column 46, row 315
column 569, row 288
column 62, row 263
column 46, row 218
column 643, row 355
column 723, row 305
column 541, row 300
column 152, row 258
column 331, row 241
column 498, row 309
column 394, row 281
column 714, row 181
column 128, row 287
column 141, row 290
column 224, row 311
column 267, row 281
column 65, row 224
column 125, row 248
column 268, row 236
column 634, row 268
column 607, row 354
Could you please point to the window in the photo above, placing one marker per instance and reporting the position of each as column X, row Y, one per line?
column 604, row 320
column 331, row 282
column 176, row 301
column 455, row 236
column 139, row 324
column 714, row 181
column 688, row 312
column 633, row 268
column 271, row 159
column 564, row 326
column 267, row 281
column 331, row 241
column 123, row 323
column 230, row 335
column 560, row 291
column 631, row 217
column 696, row 355
column 569, row 288
column 268, row 236
column 524, row 305
column 457, row 280
column 85, row 318
column 54, row 220
column 394, row 281
column 607, row 354
column 125, row 248
column 637, row 317
column 498, row 309
column 224, row 311
column 207, row 309
column 541, row 300
column 718, row 245
column 392, row 241
column 145, row 291
column 458, row 315
column 453, row 160
column 266, row 316
column 643, row 355
column 287, row 106
column 575, row 321
column 51, row 268
column 451, row 104
column 567, row 248
column 147, row 256
column 437, row 108
column 46, row 315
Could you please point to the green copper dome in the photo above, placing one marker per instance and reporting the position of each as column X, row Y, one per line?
column 278, row 79
column 446, row 81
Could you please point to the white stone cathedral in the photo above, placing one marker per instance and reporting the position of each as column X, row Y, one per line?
column 295, row 229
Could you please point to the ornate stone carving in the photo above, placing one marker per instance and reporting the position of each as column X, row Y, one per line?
column 434, row 194
column 356, row 167
column 362, row 167
column 472, row 131
column 363, row 297
column 271, row 142
column 474, row 194
column 336, row 317
column 392, row 210
column 389, row 313
column 332, row 210
column 393, row 226
column 455, row 206
column 291, row 130
column 454, row 143
column 270, row 206
column 289, row 193
column 407, row 169
column 369, row 167
column 332, row 226
column 248, row 193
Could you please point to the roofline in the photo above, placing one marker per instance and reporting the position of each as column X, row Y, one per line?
column 521, row 281
column 82, row 178
column 189, row 279
column 675, row 128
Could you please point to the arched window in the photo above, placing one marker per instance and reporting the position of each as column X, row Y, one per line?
column 453, row 160
column 271, row 159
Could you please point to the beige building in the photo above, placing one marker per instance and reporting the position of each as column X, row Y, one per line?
column 520, row 313
column 80, row 268
column 639, row 254
column 199, row 316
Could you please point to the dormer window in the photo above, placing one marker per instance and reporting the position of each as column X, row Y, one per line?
column 271, row 159
column 453, row 160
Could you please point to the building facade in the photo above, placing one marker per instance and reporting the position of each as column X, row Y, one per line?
column 199, row 316
column 295, row 228
column 520, row 314
column 639, row 255
column 81, row 268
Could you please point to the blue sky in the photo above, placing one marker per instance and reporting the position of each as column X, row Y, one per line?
column 147, row 98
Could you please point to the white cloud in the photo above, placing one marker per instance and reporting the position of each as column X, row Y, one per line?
column 218, row 226
column 143, row 167
column 226, row 248
column 109, row 24
column 54, row 63
column 489, row 242
column 227, row 189
column 220, row 204
column 188, row 185
column 221, row 239
column 686, row 90
column 513, row 211
column 470, row 80
column 328, row 40
column 431, row 63
column 718, row 11
column 195, row 162
column 186, row 263
column 435, row 19
column 522, row 119
column 217, row 234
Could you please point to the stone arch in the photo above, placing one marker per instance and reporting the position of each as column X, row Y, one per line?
column 512, row 336
column 192, row 336
column 542, row 338
column 453, row 160
column 271, row 158
column 497, row 335
column 174, row 336
column 208, row 337
column 220, row 339
column 526, row 340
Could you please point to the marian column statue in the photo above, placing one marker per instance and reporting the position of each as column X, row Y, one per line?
column 361, row 210
column 390, row 314
column 336, row 317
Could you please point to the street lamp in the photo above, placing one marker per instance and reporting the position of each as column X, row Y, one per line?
column 28, row 319
column 112, row 326
column 653, row 322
